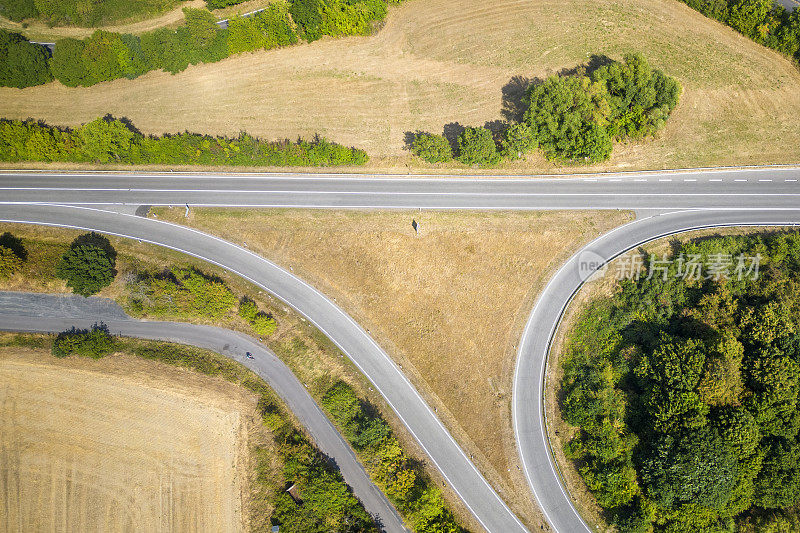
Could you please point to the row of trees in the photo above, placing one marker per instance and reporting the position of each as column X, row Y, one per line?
column 82, row 13
column 109, row 140
column 684, row 392
column 570, row 118
column 388, row 465
column 106, row 56
column 764, row 21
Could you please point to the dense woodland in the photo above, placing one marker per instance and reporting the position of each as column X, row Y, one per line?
column 109, row 140
column 684, row 393
column 573, row 117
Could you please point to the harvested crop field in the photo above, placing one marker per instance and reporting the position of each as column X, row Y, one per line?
column 442, row 61
column 119, row 444
column 448, row 303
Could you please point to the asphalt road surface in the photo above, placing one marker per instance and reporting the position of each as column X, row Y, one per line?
column 725, row 189
column 719, row 197
column 48, row 313
column 462, row 476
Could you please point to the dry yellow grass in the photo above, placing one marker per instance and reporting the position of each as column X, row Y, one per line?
column 448, row 304
column 119, row 444
column 442, row 61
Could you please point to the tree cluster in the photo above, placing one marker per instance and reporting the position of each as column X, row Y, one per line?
column 764, row 21
column 684, row 393
column 22, row 63
column 109, row 140
column 81, row 12
column 181, row 292
column 387, row 463
column 88, row 265
column 573, row 118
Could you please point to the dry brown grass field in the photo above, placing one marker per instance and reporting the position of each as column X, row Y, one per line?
column 120, row 444
column 448, row 303
column 442, row 61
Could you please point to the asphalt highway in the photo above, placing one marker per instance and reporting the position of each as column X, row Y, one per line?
column 774, row 188
column 696, row 198
column 48, row 313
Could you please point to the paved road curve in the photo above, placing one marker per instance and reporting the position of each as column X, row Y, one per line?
column 47, row 313
column 531, row 369
column 354, row 342
column 752, row 196
column 734, row 189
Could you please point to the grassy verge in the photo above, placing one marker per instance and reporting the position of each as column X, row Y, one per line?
column 310, row 355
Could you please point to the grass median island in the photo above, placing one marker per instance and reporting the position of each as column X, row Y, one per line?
column 680, row 391
column 284, row 456
column 447, row 303
column 150, row 285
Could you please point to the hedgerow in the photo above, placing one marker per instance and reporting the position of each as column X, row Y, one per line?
column 388, row 465
column 764, row 21
column 106, row 56
column 109, row 140
column 94, row 342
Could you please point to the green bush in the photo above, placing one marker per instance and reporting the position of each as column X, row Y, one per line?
column 248, row 309
column 110, row 140
column 10, row 263
column 182, row 292
column 17, row 10
column 432, row 148
column 263, row 324
column 267, row 29
column 518, row 140
column 88, row 265
column 22, row 64
column 95, row 342
column 476, row 146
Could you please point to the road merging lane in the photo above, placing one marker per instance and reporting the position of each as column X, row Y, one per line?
column 530, row 378
column 721, row 197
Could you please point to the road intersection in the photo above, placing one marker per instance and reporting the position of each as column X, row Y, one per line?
column 679, row 201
